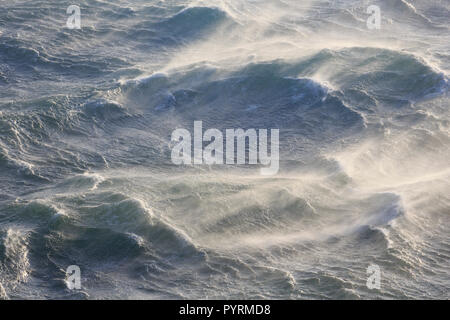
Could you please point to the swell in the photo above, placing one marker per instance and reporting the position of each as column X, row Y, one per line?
column 308, row 98
column 103, row 233
column 193, row 22
column 364, row 154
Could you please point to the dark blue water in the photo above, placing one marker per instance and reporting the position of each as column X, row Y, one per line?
column 86, row 176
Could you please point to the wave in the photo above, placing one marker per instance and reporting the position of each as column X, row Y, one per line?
column 86, row 177
column 193, row 21
column 14, row 262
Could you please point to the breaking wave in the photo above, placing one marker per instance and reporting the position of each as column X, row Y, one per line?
column 86, row 178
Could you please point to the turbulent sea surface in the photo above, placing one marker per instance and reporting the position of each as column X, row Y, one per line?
column 86, row 177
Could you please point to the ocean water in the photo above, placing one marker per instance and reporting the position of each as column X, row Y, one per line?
column 86, row 177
